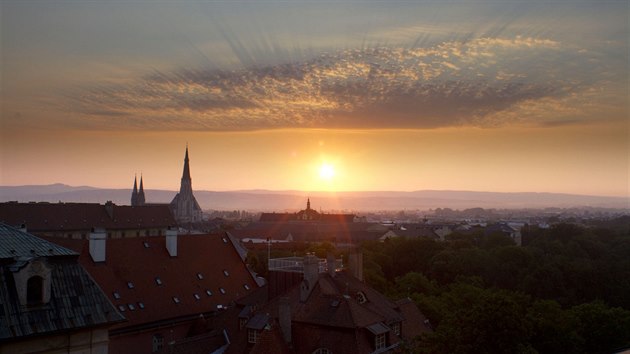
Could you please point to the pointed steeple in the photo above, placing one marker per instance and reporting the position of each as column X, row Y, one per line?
column 134, row 193
column 186, row 174
column 141, row 199
column 308, row 204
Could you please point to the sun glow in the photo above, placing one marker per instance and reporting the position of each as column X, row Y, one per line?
column 326, row 171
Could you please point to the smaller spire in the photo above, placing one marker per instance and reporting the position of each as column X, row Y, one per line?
column 134, row 193
column 141, row 199
column 308, row 204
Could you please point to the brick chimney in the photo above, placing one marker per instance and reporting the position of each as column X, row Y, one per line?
column 284, row 317
column 171, row 242
column 98, row 239
column 355, row 263
column 311, row 273
column 109, row 208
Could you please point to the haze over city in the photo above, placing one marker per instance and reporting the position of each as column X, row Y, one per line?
column 467, row 95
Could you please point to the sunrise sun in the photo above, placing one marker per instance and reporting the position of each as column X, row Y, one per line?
column 326, row 171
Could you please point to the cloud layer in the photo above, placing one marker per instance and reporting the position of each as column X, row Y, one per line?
column 481, row 82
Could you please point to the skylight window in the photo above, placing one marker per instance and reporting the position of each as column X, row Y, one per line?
column 176, row 300
column 146, row 244
column 130, row 285
column 116, row 295
column 246, row 286
column 132, row 307
column 222, row 290
column 226, row 273
column 224, row 240
column 121, row 308
column 197, row 297
column 141, row 305
column 158, row 281
column 199, row 276
column 208, row 292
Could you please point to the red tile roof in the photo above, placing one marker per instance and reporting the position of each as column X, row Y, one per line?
column 131, row 271
column 84, row 216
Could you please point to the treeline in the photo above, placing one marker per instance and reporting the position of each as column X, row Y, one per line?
column 567, row 290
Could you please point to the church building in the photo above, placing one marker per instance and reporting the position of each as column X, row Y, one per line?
column 184, row 206
column 137, row 196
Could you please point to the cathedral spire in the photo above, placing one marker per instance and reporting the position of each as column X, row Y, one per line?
column 134, row 193
column 186, row 174
column 141, row 199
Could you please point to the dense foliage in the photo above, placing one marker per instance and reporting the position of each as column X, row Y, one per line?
column 567, row 290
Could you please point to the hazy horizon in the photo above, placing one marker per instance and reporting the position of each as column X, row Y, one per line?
column 369, row 95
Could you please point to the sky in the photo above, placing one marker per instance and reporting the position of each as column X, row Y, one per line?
column 503, row 96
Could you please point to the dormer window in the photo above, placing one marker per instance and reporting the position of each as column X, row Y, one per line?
column 380, row 341
column 33, row 283
column 361, row 298
column 395, row 328
column 35, row 290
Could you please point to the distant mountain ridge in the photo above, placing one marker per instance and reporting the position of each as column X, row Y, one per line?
column 290, row 200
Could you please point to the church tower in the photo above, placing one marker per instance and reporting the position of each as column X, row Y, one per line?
column 184, row 206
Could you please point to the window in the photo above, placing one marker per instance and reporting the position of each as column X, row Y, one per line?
column 197, row 297
column 208, row 292
column 396, row 328
column 132, row 307
column 158, row 342
column 130, row 285
column 141, row 305
column 322, row 351
column 146, row 244
column 222, row 290
column 158, row 281
column 252, row 336
column 246, row 286
column 242, row 322
column 116, row 295
column 199, row 276
column 380, row 341
column 224, row 240
column 176, row 300
column 121, row 308
column 226, row 273
column 35, row 290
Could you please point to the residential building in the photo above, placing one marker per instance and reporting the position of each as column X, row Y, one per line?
column 77, row 220
column 48, row 302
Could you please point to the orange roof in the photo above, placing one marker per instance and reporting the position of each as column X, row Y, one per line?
column 147, row 285
column 84, row 216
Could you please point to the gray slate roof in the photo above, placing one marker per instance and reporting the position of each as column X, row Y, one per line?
column 16, row 243
column 76, row 300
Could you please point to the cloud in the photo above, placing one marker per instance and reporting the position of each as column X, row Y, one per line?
column 479, row 82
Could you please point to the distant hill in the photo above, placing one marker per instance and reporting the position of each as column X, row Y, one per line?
column 265, row 200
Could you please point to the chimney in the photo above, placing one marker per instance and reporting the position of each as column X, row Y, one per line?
column 311, row 273
column 171, row 242
column 98, row 238
column 23, row 228
column 109, row 208
column 284, row 314
column 355, row 263
column 331, row 264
